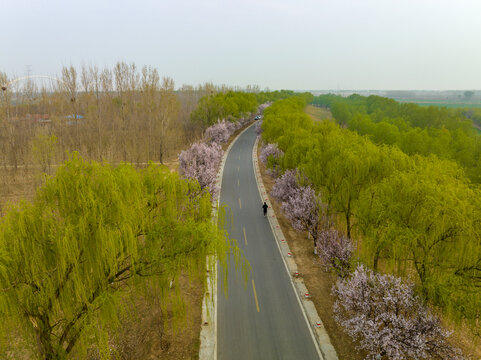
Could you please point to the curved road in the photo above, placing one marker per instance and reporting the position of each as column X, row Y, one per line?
column 260, row 318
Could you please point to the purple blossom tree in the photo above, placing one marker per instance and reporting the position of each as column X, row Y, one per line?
column 259, row 127
column 232, row 126
column 302, row 209
column 219, row 133
column 262, row 107
column 268, row 151
column 335, row 251
column 200, row 162
column 236, row 124
column 241, row 122
column 388, row 320
column 285, row 185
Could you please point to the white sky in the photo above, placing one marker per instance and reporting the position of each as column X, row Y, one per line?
column 290, row 44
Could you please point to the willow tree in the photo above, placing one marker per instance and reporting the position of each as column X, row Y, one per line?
column 43, row 150
column 93, row 231
column 429, row 219
column 342, row 166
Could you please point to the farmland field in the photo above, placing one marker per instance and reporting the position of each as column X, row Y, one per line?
column 317, row 113
column 443, row 103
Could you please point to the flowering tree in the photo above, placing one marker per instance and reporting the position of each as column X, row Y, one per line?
column 285, row 185
column 388, row 319
column 200, row 162
column 219, row 133
column 335, row 251
column 231, row 126
column 268, row 151
column 259, row 127
column 302, row 209
column 243, row 121
column 270, row 156
column 262, row 107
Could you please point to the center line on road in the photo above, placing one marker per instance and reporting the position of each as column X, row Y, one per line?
column 238, row 183
column 245, row 237
column 240, row 204
column 255, row 296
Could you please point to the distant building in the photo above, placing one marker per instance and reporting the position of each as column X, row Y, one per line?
column 73, row 119
column 33, row 119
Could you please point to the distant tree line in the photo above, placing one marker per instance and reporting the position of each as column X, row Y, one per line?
column 446, row 133
column 124, row 113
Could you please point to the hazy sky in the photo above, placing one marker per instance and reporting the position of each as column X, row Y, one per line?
column 291, row 44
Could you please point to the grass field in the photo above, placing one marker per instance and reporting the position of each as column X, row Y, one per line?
column 317, row 113
column 443, row 103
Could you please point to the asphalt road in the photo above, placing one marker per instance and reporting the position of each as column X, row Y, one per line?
column 260, row 318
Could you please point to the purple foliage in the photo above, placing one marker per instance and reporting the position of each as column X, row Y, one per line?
column 270, row 150
column 200, row 162
column 262, row 107
column 236, row 124
column 259, row 127
column 335, row 251
column 302, row 209
column 243, row 121
column 219, row 133
column 388, row 319
column 231, row 126
column 285, row 185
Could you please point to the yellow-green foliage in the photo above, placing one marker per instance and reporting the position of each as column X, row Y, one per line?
column 230, row 105
column 417, row 215
column 91, row 231
column 267, row 96
column 446, row 133
column 43, row 150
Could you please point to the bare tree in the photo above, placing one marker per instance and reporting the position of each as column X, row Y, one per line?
column 69, row 78
column 168, row 111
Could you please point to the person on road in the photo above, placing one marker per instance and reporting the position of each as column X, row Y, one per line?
column 265, row 207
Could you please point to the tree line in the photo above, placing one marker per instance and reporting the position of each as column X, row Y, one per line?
column 123, row 113
column 446, row 133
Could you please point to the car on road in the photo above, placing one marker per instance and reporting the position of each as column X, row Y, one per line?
column 258, row 117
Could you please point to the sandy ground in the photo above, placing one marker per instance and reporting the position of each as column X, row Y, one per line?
column 150, row 336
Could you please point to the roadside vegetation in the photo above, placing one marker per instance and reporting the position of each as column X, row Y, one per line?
column 373, row 209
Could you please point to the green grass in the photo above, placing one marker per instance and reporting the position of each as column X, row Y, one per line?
column 443, row 103
column 318, row 114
